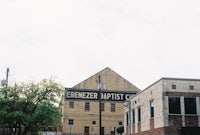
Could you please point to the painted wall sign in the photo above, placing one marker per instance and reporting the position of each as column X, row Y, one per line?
column 85, row 94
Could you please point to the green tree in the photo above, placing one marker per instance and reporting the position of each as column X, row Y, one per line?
column 120, row 130
column 46, row 115
column 28, row 106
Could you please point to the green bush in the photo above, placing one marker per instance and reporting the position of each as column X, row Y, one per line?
column 120, row 130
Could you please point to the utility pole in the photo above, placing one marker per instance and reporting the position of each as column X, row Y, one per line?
column 99, row 84
column 4, row 82
column 7, row 72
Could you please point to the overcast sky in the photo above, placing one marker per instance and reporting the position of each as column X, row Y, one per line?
column 142, row 40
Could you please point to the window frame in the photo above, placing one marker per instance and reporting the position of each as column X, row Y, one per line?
column 151, row 109
column 120, row 123
column 133, row 116
column 191, row 87
column 173, row 108
column 87, row 106
column 86, row 130
column 93, row 122
column 70, row 122
column 71, row 105
column 173, row 86
column 113, row 107
column 190, row 109
column 139, row 114
column 102, row 107
column 127, row 117
column 103, row 130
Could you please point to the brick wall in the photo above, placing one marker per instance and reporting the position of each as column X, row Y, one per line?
column 191, row 121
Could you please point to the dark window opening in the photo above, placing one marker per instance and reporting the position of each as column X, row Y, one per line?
column 93, row 122
column 120, row 123
column 174, row 105
column 112, row 131
column 87, row 106
column 102, row 130
column 190, row 106
column 71, row 122
column 71, row 104
column 86, row 131
column 151, row 109
column 173, row 86
column 133, row 116
column 102, row 107
column 112, row 107
column 139, row 114
column 127, row 119
column 191, row 87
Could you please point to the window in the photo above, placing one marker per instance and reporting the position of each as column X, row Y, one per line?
column 93, row 122
column 174, row 105
column 87, row 106
column 191, row 87
column 112, row 107
column 120, row 123
column 190, row 106
column 173, row 86
column 139, row 114
column 127, row 119
column 86, row 131
column 102, row 130
column 151, row 109
column 133, row 116
column 71, row 104
column 102, row 106
column 112, row 130
column 71, row 122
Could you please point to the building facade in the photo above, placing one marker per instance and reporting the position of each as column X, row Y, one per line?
column 170, row 106
column 81, row 104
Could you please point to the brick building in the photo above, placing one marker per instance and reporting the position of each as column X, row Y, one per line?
column 81, row 104
column 170, row 106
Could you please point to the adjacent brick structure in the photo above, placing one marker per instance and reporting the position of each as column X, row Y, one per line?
column 169, row 106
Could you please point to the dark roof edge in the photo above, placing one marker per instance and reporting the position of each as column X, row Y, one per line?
column 181, row 79
column 171, row 78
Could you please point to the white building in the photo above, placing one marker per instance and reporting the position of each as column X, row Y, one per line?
column 169, row 106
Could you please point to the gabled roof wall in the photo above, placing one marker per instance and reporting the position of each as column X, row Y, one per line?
column 111, row 80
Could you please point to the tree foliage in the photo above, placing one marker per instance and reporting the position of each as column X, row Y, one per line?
column 26, row 107
column 120, row 130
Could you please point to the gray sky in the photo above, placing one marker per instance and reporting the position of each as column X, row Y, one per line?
column 142, row 40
